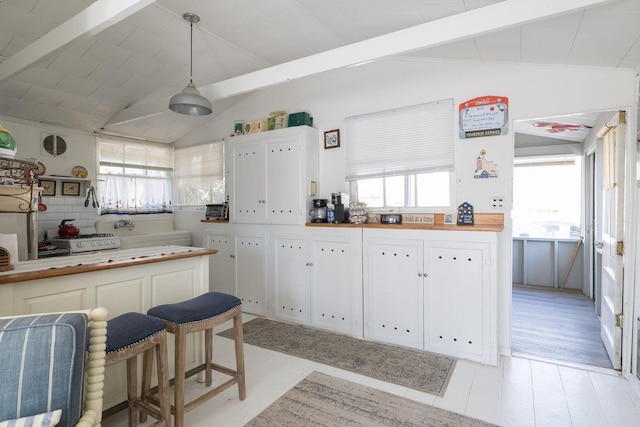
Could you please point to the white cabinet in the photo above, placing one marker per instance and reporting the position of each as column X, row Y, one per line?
column 222, row 264
column 291, row 272
column 251, row 270
column 240, row 266
column 432, row 290
column 270, row 175
column 336, row 281
column 394, row 291
column 317, row 278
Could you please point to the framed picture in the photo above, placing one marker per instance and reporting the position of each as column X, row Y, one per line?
column 70, row 188
column 332, row 138
column 449, row 219
column 48, row 187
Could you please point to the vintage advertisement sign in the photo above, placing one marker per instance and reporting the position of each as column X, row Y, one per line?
column 484, row 116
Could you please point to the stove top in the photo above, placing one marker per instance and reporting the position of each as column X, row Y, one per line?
column 84, row 236
column 87, row 242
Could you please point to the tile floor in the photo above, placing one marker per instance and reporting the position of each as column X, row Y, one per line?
column 520, row 392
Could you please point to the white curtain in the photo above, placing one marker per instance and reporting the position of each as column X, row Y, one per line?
column 134, row 195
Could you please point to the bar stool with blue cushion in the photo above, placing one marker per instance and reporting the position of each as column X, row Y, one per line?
column 128, row 336
column 203, row 313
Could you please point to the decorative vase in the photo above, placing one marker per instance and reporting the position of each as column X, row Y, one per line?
column 7, row 143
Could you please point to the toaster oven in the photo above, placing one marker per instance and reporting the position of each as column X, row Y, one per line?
column 217, row 211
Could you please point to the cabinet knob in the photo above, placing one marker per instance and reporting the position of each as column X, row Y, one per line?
column 419, row 274
column 310, row 264
column 232, row 256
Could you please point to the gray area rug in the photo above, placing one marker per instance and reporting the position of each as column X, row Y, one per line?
column 323, row 400
column 415, row 369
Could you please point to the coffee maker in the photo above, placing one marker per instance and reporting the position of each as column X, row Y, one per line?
column 319, row 211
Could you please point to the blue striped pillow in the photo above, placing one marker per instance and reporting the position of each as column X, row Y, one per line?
column 48, row 419
column 42, row 366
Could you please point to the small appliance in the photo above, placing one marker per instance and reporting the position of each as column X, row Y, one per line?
column 319, row 211
column 217, row 211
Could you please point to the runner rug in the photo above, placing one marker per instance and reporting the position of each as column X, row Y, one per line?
column 415, row 369
column 323, row 400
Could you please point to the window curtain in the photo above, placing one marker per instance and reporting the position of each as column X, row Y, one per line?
column 402, row 141
column 135, row 178
column 135, row 195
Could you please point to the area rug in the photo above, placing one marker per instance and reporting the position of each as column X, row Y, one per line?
column 415, row 369
column 323, row 400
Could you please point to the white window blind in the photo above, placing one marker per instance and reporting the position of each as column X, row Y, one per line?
column 402, row 141
column 198, row 176
column 134, row 157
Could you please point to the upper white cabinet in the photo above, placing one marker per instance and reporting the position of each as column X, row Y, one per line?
column 270, row 175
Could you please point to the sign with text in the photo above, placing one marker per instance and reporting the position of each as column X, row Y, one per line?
column 484, row 116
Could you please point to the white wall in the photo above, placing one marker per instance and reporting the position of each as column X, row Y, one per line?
column 533, row 91
column 81, row 151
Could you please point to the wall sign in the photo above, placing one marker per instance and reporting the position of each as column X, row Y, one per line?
column 484, row 116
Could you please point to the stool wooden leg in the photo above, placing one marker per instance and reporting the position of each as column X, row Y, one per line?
column 163, row 380
column 180, row 344
column 237, row 329
column 147, row 368
column 132, row 389
column 208, row 356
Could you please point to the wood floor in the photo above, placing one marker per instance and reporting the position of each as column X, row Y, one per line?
column 558, row 325
column 519, row 392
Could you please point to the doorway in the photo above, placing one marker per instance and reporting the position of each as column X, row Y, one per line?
column 551, row 321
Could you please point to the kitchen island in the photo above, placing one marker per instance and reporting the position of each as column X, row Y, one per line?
column 121, row 280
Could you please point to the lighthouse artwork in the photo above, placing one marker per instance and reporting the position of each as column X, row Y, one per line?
column 485, row 168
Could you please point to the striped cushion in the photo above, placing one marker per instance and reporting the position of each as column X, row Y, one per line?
column 42, row 365
column 49, row 419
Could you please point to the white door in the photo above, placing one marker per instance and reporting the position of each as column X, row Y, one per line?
column 283, row 181
column 394, row 291
column 612, row 234
column 247, row 189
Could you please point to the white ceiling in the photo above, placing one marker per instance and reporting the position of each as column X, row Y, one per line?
column 118, row 70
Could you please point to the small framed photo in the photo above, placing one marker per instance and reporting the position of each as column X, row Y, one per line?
column 48, row 187
column 332, row 138
column 70, row 188
column 449, row 218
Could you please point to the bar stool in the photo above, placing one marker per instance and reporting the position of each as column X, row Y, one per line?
column 128, row 336
column 203, row 313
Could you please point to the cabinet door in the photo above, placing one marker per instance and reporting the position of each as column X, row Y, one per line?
column 457, row 299
column 336, row 284
column 283, row 202
column 291, row 279
column 250, row 273
column 247, row 194
column 221, row 265
column 394, row 291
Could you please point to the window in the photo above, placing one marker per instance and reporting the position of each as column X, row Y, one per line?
column 134, row 177
column 547, row 197
column 402, row 158
column 199, row 174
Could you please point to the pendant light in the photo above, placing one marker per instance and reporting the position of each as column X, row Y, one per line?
column 189, row 101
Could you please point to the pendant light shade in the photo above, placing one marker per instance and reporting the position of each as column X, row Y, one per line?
column 189, row 101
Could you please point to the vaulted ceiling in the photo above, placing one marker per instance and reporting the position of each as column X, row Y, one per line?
column 114, row 64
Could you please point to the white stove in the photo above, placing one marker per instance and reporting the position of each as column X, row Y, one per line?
column 87, row 242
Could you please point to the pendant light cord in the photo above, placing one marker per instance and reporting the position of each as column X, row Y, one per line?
column 191, row 55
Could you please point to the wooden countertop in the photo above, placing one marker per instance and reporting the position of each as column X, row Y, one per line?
column 481, row 222
column 110, row 261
